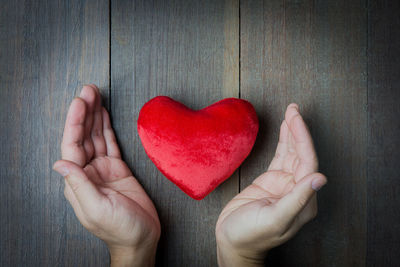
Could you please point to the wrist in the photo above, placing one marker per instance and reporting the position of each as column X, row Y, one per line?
column 124, row 256
column 229, row 256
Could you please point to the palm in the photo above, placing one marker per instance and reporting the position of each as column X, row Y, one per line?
column 247, row 215
column 122, row 210
column 126, row 207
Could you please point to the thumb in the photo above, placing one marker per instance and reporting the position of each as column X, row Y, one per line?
column 294, row 202
column 83, row 188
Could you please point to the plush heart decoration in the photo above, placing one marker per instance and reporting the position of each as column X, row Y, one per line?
column 197, row 149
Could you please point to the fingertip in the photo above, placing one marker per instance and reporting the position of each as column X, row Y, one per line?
column 79, row 102
column 293, row 105
column 295, row 123
column 92, row 85
column 76, row 112
column 86, row 89
column 319, row 180
column 55, row 164
column 59, row 167
column 291, row 112
column 94, row 88
column 88, row 94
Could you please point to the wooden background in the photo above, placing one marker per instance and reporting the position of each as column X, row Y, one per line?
column 338, row 59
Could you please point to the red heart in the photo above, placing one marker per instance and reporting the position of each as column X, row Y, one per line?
column 197, row 150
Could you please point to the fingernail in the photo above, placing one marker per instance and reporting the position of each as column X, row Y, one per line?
column 318, row 183
column 294, row 105
column 62, row 170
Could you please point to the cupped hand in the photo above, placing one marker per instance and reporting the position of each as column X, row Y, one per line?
column 277, row 204
column 105, row 196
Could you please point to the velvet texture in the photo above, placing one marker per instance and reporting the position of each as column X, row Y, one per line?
column 197, row 150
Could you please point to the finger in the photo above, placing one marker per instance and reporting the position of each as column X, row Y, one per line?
column 281, row 149
column 93, row 174
column 303, row 143
column 275, row 184
column 88, row 94
column 109, row 136
column 288, row 208
column 109, row 170
column 72, row 144
column 86, row 193
column 300, row 133
column 99, row 143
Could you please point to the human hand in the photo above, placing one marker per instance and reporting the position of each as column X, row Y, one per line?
column 277, row 204
column 106, row 198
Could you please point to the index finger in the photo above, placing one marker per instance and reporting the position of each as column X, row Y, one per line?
column 303, row 142
column 282, row 148
column 291, row 205
column 72, row 144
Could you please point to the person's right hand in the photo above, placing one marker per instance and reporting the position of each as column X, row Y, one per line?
column 277, row 204
column 105, row 196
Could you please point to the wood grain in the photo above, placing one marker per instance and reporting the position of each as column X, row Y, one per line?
column 314, row 54
column 339, row 60
column 383, row 134
column 48, row 50
column 187, row 50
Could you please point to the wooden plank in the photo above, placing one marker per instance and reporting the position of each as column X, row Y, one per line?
column 314, row 54
column 383, row 133
column 187, row 50
column 48, row 50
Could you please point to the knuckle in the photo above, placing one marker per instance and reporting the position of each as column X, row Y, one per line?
column 74, row 187
column 97, row 133
column 302, row 201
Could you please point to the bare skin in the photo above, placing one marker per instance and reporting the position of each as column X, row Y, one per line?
column 111, row 204
column 277, row 204
column 100, row 187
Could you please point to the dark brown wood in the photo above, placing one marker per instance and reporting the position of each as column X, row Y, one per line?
column 48, row 49
column 187, row 50
column 383, row 134
column 339, row 60
column 314, row 54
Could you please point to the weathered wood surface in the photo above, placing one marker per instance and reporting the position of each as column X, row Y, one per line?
column 339, row 60
column 383, row 134
column 48, row 50
column 187, row 50
column 314, row 54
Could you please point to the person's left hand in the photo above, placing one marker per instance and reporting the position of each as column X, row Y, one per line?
column 105, row 196
column 278, row 202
